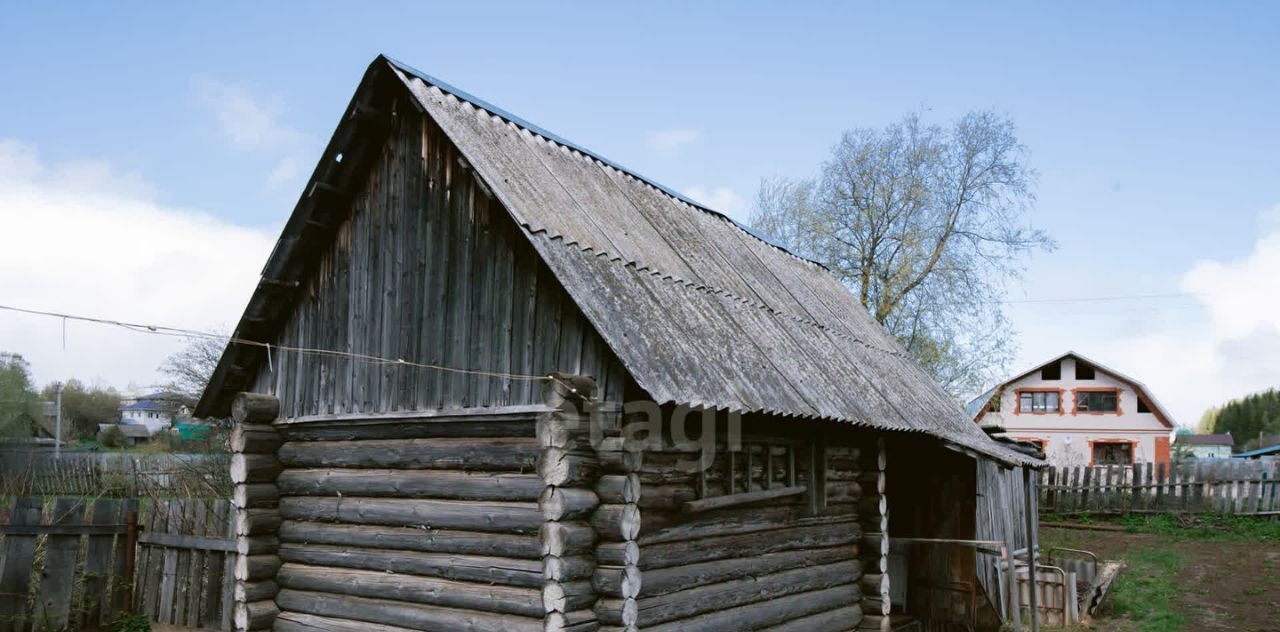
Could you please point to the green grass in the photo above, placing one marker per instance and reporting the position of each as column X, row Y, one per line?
column 1204, row 527
column 1146, row 591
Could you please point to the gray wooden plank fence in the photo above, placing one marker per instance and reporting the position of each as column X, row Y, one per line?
column 1239, row 487
column 76, row 564
column 61, row 563
column 186, row 563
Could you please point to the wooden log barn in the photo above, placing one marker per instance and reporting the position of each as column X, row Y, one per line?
column 490, row 380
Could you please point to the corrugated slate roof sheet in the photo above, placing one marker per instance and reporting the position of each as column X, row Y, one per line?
column 699, row 310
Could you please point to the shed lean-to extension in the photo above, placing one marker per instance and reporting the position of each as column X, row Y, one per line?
column 442, row 231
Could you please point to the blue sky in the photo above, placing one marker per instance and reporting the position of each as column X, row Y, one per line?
column 1153, row 128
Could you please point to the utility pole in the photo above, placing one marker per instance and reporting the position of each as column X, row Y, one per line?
column 57, row 429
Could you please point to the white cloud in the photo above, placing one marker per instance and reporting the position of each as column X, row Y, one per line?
column 1226, row 349
column 85, row 239
column 252, row 124
column 245, row 121
column 669, row 141
column 722, row 199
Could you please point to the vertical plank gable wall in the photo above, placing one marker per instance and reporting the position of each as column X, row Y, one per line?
column 431, row 269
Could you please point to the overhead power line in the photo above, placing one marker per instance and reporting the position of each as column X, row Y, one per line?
column 1096, row 299
column 179, row 332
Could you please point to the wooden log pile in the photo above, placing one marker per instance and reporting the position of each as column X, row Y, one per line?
column 873, row 514
column 254, row 468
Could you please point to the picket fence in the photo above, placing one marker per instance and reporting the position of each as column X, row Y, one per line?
column 77, row 564
column 1236, row 486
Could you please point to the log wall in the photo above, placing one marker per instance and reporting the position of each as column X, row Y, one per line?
column 427, row 523
column 784, row 562
column 429, row 268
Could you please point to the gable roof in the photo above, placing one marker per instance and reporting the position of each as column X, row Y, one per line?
column 698, row 309
column 1204, row 439
column 975, row 407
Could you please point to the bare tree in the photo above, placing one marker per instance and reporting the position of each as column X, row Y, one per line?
column 926, row 226
column 192, row 367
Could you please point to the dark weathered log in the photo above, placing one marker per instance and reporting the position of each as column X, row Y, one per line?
column 246, row 592
column 255, row 615
column 575, row 621
column 623, row 612
column 667, row 580
column 741, row 498
column 616, row 458
column 874, row 583
column 843, row 491
column 257, row 521
column 749, row 544
column 445, row 484
column 872, row 505
column 739, row 522
column 875, row 604
column 482, row 454
column 255, row 439
column 617, row 581
column 567, row 596
column 879, row 623
column 567, row 503
column 671, row 496
column 410, row 428
column 298, row 622
column 764, row 614
column 255, row 568
column 874, row 544
column 474, row 568
column 254, row 408
column 257, row 544
column 618, row 488
column 415, row 539
column 838, row 620
column 618, row 553
column 496, row 517
column 555, row 430
column 872, row 482
column 563, row 468
column 479, row 596
column 254, row 468
column 739, row 592
column 414, row 616
column 255, row 496
column 616, row 523
column 562, row 539
column 567, row 569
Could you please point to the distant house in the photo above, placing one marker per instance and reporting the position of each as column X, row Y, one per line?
column 1203, row 446
column 132, row 434
column 156, row 410
column 1080, row 412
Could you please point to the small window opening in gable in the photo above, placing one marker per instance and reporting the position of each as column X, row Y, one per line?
column 1084, row 371
column 1051, row 371
column 1142, row 405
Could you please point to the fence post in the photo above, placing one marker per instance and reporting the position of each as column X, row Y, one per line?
column 130, row 550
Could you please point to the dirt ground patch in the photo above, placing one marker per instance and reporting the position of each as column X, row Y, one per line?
column 1184, row 582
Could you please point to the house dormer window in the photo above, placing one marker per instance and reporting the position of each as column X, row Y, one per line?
column 1097, row 401
column 1051, row 371
column 1085, row 371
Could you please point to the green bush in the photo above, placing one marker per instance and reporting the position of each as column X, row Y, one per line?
column 113, row 438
